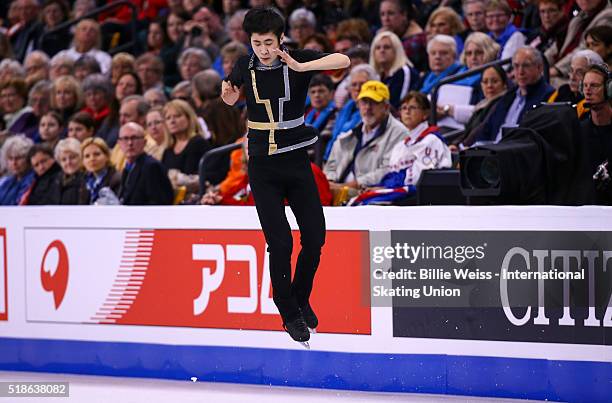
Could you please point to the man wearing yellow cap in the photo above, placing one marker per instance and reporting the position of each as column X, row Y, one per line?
column 360, row 157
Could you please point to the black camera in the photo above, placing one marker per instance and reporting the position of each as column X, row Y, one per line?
column 544, row 161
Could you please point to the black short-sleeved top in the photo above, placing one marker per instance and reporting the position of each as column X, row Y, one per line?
column 285, row 91
column 188, row 160
column 599, row 143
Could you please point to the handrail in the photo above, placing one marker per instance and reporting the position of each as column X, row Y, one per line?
column 433, row 118
column 98, row 11
column 211, row 153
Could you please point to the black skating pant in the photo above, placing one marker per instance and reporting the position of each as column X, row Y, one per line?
column 273, row 179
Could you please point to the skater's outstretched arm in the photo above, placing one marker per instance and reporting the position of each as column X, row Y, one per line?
column 329, row 62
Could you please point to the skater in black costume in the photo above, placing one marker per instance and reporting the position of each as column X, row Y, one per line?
column 276, row 81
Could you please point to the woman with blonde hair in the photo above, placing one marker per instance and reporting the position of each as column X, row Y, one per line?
column 121, row 64
column 388, row 58
column 158, row 139
column 400, row 17
column 66, row 96
column 99, row 172
column 446, row 21
column 479, row 49
column 187, row 145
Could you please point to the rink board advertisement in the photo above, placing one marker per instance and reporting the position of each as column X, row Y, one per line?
column 184, row 293
column 537, row 286
column 194, row 278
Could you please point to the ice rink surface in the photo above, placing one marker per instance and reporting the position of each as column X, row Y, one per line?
column 105, row 389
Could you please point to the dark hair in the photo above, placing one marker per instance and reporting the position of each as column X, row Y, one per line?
column 40, row 148
column 63, row 5
column 226, row 124
column 6, row 51
column 88, row 62
column 601, row 69
column 18, row 84
column 501, row 73
column 420, row 99
column 262, row 21
column 601, row 33
column 405, row 6
column 162, row 25
column 183, row 15
column 558, row 3
column 136, row 78
column 84, row 119
column 360, row 51
column 57, row 116
column 322, row 79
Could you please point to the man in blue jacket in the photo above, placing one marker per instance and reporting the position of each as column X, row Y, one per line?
column 532, row 89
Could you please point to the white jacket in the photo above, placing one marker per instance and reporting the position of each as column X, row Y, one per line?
column 414, row 155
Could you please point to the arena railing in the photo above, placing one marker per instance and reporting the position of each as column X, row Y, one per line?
column 129, row 45
column 433, row 118
column 208, row 156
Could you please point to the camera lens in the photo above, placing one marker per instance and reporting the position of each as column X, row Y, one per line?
column 472, row 169
column 489, row 170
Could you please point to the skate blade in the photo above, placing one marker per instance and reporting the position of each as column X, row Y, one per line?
column 312, row 330
column 305, row 344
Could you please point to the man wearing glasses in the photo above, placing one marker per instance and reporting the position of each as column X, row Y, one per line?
column 144, row 180
column 498, row 18
column 528, row 66
column 360, row 157
column 597, row 129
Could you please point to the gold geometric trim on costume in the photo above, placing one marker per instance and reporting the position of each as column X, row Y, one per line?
column 266, row 102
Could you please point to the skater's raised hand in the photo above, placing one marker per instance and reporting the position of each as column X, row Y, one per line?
column 290, row 61
column 229, row 93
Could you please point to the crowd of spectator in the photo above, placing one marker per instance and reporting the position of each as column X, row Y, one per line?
column 120, row 109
